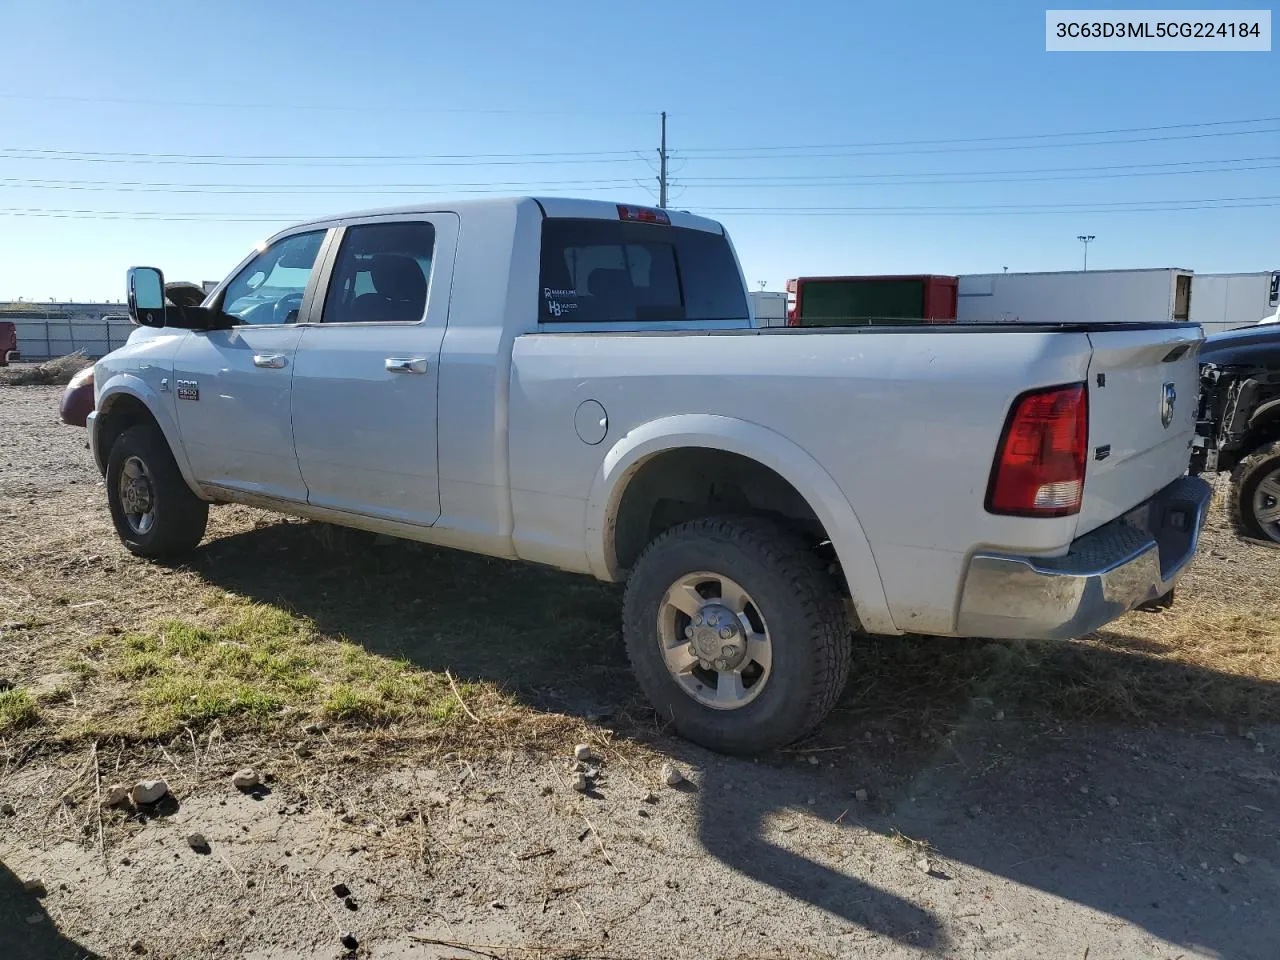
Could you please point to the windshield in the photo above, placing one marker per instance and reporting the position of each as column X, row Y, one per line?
column 270, row 287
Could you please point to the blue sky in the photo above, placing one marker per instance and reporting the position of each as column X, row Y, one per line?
column 789, row 99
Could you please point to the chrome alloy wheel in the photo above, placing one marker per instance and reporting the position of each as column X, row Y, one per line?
column 714, row 641
column 137, row 496
column 1266, row 504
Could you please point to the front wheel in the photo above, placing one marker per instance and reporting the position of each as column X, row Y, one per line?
column 1255, row 494
column 736, row 633
column 154, row 511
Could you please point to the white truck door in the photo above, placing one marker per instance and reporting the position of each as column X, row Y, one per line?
column 367, row 371
column 232, row 387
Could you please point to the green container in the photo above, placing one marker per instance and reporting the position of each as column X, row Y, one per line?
column 844, row 303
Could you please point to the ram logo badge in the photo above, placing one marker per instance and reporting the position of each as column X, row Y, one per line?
column 190, row 390
column 1169, row 398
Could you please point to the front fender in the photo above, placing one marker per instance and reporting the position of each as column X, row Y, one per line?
column 766, row 447
column 122, row 385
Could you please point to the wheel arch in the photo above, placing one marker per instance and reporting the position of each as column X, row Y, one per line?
column 769, row 454
column 125, row 401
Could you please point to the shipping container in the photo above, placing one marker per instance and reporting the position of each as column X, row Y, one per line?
column 871, row 300
column 1076, row 296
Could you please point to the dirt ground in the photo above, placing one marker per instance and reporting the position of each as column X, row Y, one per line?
column 1115, row 797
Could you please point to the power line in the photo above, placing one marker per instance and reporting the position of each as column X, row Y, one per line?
column 732, row 182
column 1011, row 206
column 362, row 108
column 989, row 139
column 129, row 155
column 216, row 160
column 758, row 152
column 226, row 190
column 841, row 152
column 1121, row 206
column 882, row 179
column 1044, row 211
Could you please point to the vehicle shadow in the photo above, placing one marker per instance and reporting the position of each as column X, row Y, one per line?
column 919, row 728
column 27, row 930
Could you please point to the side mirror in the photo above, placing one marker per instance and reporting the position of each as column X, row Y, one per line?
column 146, row 296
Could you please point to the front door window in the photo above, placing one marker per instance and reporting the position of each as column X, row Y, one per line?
column 269, row 289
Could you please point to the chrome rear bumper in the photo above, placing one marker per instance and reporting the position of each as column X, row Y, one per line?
column 1123, row 564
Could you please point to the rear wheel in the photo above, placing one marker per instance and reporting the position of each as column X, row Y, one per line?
column 154, row 511
column 1255, row 494
column 736, row 633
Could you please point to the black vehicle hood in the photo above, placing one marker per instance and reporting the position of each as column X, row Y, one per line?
column 1256, row 346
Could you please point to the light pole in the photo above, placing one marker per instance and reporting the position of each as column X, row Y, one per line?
column 1086, row 239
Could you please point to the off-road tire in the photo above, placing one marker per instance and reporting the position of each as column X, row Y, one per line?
column 180, row 516
column 800, row 603
column 1245, row 478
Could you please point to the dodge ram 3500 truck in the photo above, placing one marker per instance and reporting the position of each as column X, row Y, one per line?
column 578, row 383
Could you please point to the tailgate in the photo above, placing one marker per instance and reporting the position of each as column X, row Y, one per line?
column 1143, row 385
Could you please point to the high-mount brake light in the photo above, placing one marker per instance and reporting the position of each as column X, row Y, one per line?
column 643, row 215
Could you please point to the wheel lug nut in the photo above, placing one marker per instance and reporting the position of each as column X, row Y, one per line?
column 726, row 633
column 712, row 620
column 722, row 665
column 688, row 632
column 698, row 620
column 727, row 652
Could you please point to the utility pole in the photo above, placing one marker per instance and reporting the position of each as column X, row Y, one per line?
column 1086, row 239
column 662, row 164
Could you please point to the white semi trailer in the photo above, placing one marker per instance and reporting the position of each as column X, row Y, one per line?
column 1228, row 301
column 1072, row 296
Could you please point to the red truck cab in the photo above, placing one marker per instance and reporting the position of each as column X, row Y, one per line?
column 8, row 343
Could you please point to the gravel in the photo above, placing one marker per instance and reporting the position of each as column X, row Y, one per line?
column 117, row 795
column 149, row 791
column 38, row 452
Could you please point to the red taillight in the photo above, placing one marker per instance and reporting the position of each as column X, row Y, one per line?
column 643, row 215
column 1039, row 468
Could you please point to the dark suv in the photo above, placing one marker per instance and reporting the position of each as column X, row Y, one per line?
column 1239, row 424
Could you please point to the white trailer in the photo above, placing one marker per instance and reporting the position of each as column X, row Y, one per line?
column 769, row 307
column 1073, row 296
column 1228, row 301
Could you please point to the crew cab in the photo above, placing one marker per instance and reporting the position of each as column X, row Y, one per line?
column 579, row 383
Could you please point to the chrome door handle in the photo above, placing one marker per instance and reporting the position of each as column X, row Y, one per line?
column 407, row 364
column 274, row 361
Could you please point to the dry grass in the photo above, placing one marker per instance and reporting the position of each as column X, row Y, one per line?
column 1206, row 661
column 276, row 621
column 53, row 372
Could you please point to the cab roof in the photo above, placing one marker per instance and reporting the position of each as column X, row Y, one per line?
column 552, row 207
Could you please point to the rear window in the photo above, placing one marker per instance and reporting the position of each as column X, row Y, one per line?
column 612, row 271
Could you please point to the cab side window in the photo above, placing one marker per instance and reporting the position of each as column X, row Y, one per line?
column 270, row 288
column 381, row 274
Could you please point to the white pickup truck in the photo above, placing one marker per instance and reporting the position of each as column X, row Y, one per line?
column 579, row 384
